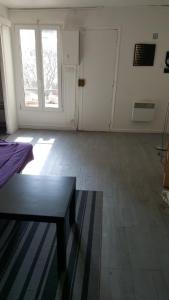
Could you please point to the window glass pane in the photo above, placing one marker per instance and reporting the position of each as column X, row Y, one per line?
column 31, row 97
column 28, row 52
column 50, row 68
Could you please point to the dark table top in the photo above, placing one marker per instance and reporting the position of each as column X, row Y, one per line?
column 34, row 197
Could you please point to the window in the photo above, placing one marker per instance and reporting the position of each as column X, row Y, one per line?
column 29, row 67
column 50, row 68
column 40, row 67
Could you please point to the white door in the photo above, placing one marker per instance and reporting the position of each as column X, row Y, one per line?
column 98, row 58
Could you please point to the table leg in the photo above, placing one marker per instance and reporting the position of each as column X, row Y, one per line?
column 61, row 245
column 72, row 209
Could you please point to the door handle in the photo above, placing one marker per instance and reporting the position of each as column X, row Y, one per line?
column 81, row 82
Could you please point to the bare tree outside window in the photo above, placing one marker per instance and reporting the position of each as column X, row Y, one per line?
column 49, row 65
column 28, row 52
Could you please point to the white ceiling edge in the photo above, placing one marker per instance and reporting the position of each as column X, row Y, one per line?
column 65, row 4
column 81, row 7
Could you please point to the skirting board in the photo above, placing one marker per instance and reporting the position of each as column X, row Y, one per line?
column 125, row 131
column 49, row 127
column 60, row 127
column 136, row 131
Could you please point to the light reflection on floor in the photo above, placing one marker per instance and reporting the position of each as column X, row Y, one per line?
column 24, row 139
column 41, row 151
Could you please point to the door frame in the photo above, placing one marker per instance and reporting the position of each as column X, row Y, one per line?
column 79, row 90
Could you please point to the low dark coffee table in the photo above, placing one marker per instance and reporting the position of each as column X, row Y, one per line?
column 42, row 199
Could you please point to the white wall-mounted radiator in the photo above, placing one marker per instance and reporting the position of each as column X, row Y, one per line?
column 143, row 111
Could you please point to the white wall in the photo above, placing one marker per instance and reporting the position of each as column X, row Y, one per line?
column 137, row 24
column 3, row 11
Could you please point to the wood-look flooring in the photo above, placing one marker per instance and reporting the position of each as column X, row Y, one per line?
column 135, row 243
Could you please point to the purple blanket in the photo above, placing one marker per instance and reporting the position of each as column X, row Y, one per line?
column 13, row 158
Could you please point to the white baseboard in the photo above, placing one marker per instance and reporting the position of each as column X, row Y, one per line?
column 135, row 131
column 47, row 127
column 71, row 128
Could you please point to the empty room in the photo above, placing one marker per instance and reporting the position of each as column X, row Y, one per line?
column 84, row 152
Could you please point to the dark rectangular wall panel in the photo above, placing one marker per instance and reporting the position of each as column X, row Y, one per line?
column 144, row 54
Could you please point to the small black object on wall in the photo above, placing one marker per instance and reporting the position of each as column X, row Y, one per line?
column 144, row 54
column 166, row 70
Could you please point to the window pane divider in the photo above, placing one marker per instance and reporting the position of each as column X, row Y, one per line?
column 39, row 66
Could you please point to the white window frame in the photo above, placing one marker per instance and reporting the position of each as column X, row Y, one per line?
column 39, row 65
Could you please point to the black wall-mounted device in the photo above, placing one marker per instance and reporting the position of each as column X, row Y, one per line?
column 166, row 70
column 81, row 82
column 144, row 54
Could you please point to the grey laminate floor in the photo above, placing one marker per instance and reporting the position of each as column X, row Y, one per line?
column 135, row 250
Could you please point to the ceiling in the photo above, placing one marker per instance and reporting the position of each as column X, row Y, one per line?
column 77, row 3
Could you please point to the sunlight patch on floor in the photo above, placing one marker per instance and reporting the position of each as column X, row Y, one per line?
column 41, row 151
column 24, row 139
column 43, row 141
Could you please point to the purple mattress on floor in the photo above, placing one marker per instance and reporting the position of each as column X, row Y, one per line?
column 13, row 158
